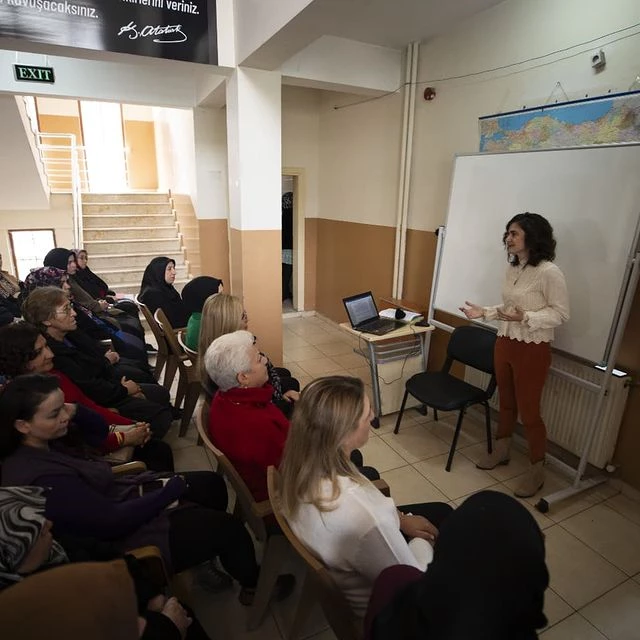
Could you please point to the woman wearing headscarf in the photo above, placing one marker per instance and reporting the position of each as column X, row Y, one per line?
column 157, row 291
column 194, row 295
column 10, row 296
column 65, row 260
column 96, row 287
column 486, row 581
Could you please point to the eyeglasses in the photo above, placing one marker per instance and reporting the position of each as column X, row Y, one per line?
column 65, row 311
column 244, row 315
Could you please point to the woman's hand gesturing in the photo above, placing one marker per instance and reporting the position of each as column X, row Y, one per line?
column 472, row 311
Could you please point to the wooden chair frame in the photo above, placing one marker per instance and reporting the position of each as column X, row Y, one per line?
column 253, row 514
column 189, row 386
column 163, row 356
column 343, row 621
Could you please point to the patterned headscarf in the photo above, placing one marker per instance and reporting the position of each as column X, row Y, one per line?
column 44, row 277
column 21, row 523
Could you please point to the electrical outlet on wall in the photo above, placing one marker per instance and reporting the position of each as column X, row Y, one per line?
column 598, row 59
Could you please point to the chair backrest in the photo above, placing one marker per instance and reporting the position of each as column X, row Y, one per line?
column 190, row 352
column 252, row 512
column 170, row 335
column 335, row 606
column 472, row 346
column 155, row 329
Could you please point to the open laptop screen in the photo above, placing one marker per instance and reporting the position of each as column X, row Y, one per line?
column 361, row 308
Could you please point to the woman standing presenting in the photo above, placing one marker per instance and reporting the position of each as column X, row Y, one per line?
column 535, row 301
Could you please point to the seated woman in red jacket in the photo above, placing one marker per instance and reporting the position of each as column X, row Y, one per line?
column 244, row 423
column 23, row 349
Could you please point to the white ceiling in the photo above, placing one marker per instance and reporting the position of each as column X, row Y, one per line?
column 396, row 23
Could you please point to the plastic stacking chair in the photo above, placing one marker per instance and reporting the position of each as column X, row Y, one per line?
column 163, row 357
column 190, row 352
column 322, row 585
column 189, row 386
column 253, row 514
column 441, row 391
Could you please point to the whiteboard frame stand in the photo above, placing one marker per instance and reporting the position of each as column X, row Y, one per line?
column 630, row 283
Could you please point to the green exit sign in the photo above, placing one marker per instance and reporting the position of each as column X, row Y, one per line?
column 29, row 73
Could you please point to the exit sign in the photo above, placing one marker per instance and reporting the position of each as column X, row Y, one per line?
column 29, row 73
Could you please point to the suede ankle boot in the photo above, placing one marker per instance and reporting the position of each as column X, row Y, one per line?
column 499, row 455
column 531, row 482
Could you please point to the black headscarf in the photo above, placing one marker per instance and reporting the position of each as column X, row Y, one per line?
column 93, row 284
column 58, row 258
column 153, row 276
column 156, row 293
column 486, row 582
column 196, row 292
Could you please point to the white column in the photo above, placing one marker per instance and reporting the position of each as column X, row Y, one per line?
column 255, row 169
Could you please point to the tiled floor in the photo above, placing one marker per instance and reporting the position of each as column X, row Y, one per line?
column 592, row 540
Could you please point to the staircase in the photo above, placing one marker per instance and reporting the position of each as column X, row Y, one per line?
column 122, row 233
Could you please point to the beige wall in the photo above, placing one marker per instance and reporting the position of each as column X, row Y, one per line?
column 255, row 265
column 58, row 217
column 214, row 249
column 351, row 258
column 359, row 159
column 301, row 139
column 311, row 263
column 139, row 137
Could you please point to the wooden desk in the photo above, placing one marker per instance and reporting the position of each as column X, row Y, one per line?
column 393, row 358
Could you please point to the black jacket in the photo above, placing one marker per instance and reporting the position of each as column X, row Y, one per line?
column 78, row 358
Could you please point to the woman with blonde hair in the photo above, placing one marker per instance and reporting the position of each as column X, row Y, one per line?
column 335, row 511
column 222, row 314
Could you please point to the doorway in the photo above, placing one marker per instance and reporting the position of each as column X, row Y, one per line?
column 292, row 240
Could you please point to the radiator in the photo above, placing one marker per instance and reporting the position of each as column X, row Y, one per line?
column 567, row 408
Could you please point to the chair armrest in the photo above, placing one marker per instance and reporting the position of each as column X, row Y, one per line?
column 383, row 487
column 129, row 467
column 262, row 509
column 151, row 558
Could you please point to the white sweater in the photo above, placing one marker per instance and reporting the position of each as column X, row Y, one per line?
column 358, row 538
column 541, row 292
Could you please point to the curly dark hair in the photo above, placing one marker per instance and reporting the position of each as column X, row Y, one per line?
column 538, row 237
column 17, row 342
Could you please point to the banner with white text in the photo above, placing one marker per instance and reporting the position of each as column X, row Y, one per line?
column 172, row 29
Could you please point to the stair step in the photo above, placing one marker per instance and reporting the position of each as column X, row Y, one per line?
column 129, row 233
column 135, row 259
column 123, row 220
column 146, row 196
column 126, row 208
column 159, row 246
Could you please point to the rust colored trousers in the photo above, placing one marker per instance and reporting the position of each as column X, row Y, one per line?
column 521, row 370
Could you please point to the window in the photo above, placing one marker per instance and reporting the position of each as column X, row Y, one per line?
column 29, row 247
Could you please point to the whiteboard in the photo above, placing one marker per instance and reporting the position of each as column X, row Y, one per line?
column 591, row 197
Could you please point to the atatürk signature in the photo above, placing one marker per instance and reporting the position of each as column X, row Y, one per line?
column 168, row 34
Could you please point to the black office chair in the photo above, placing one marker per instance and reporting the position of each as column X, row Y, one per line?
column 440, row 390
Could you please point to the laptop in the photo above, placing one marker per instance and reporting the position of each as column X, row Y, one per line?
column 363, row 315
